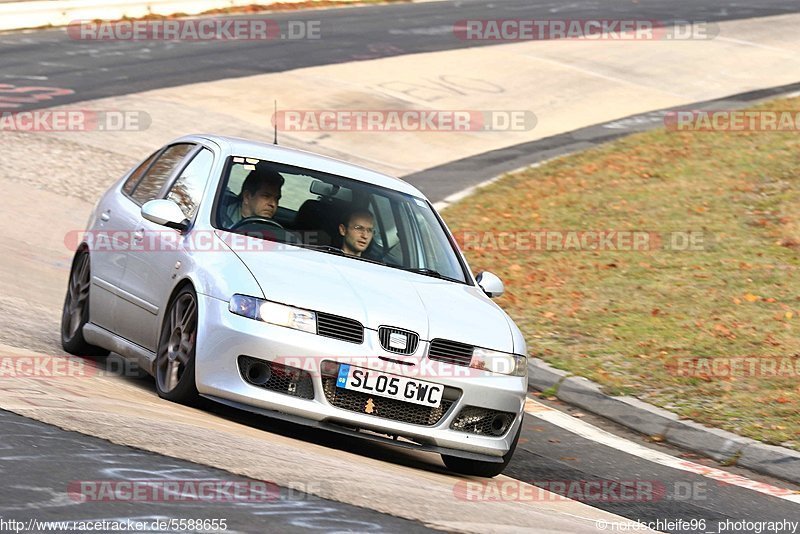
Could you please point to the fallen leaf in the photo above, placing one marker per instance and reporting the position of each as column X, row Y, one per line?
column 749, row 297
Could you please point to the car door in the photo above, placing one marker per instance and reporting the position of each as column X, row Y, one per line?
column 115, row 218
column 150, row 276
column 131, row 310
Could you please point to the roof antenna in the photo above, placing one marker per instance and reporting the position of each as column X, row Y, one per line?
column 275, row 122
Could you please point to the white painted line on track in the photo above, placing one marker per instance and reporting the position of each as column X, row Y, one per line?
column 756, row 45
column 600, row 75
column 591, row 432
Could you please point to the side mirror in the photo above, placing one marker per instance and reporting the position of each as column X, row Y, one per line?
column 490, row 283
column 166, row 213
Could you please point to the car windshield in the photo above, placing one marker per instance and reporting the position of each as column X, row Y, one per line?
column 335, row 215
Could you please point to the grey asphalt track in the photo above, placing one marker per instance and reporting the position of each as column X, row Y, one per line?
column 47, row 472
column 96, row 69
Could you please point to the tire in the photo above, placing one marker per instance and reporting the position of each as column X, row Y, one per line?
column 481, row 469
column 75, row 313
column 177, row 344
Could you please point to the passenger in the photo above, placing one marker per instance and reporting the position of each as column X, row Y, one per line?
column 260, row 194
column 357, row 232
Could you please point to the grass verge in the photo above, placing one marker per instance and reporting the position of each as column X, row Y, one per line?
column 709, row 330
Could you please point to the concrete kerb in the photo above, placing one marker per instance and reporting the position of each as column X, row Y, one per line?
column 651, row 420
column 776, row 461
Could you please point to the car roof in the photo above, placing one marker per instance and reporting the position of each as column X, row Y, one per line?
column 300, row 158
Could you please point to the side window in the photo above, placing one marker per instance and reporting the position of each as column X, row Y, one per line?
column 153, row 181
column 296, row 191
column 133, row 179
column 188, row 188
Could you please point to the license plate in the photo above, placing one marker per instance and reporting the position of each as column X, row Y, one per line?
column 391, row 386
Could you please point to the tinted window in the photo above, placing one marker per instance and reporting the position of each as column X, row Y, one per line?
column 188, row 188
column 130, row 183
column 161, row 170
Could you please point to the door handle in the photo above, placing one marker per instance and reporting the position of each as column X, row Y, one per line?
column 138, row 235
column 105, row 216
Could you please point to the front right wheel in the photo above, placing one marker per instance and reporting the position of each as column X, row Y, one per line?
column 481, row 469
column 176, row 350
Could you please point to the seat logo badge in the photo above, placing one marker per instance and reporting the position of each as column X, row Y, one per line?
column 398, row 341
column 370, row 407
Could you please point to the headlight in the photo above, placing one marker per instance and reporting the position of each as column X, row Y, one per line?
column 499, row 362
column 274, row 313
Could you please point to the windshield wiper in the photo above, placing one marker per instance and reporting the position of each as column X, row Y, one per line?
column 433, row 273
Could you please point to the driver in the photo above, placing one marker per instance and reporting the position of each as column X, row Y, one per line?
column 261, row 192
column 357, row 231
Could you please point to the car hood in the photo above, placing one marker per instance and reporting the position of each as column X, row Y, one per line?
column 376, row 295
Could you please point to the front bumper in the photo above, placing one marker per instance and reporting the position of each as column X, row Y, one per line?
column 224, row 337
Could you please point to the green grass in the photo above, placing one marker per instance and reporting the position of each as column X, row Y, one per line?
column 624, row 318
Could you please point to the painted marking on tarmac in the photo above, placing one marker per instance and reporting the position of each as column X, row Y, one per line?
column 590, row 432
column 756, row 45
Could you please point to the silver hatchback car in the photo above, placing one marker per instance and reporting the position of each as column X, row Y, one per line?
column 301, row 288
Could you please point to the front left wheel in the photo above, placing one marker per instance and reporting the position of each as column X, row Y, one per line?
column 175, row 360
column 75, row 313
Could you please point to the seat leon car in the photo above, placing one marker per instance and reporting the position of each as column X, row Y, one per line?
column 302, row 288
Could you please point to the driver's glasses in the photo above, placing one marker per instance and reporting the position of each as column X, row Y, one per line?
column 363, row 229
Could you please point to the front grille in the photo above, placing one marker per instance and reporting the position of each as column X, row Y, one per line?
column 453, row 352
column 412, row 339
column 276, row 377
column 340, row 328
column 396, row 410
column 482, row 421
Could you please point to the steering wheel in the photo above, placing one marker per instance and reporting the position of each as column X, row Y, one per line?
column 255, row 219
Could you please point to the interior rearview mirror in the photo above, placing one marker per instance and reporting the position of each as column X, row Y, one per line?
column 318, row 187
